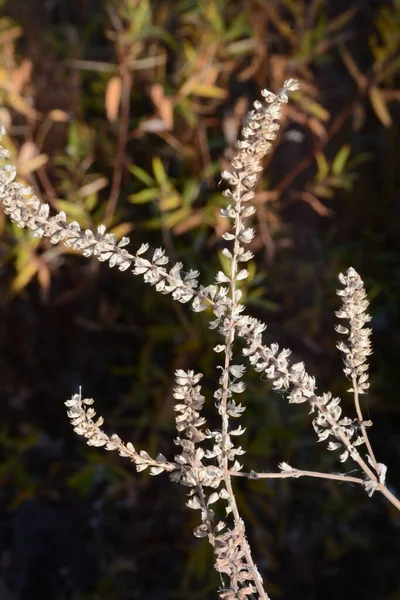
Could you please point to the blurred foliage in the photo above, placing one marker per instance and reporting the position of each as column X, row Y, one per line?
column 125, row 112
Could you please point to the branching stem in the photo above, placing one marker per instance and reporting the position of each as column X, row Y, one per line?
column 295, row 474
column 362, row 425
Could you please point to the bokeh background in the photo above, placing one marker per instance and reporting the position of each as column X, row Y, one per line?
column 125, row 112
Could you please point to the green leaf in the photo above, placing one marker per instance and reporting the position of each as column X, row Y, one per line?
column 170, row 201
column 238, row 28
column 144, row 196
column 24, row 276
column 159, row 172
column 190, row 191
column 80, row 140
column 312, row 107
column 74, row 211
column 340, row 160
column 209, row 91
column 214, row 17
column 142, row 175
column 323, row 166
column 175, row 217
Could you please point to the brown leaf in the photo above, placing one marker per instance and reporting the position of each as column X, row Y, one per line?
column 194, row 220
column 380, row 107
column 319, row 208
column 113, row 97
column 342, row 19
column 358, row 116
column 27, row 151
column 21, row 75
column 19, row 104
column 5, row 118
column 317, row 128
column 33, row 165
column 29, row 159
column 360, row 79
column 10, row 35
column 163, row 104
column 93, row 187
column 44, row 278
column 60, row 116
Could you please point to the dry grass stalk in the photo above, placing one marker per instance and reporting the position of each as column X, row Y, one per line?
column 208, row 472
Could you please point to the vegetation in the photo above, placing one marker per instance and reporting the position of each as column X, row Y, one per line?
column 126, row 116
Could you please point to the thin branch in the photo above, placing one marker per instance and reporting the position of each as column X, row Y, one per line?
column 295, row 474
column 242, row 178
column 81, row 414
column 27, row 211
column 362, row 424
column 391, row 497
column 136, row 64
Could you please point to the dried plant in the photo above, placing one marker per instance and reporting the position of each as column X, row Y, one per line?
column 207, row 460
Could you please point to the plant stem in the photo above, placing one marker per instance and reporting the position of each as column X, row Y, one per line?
column 362, row 426
column 296, row 473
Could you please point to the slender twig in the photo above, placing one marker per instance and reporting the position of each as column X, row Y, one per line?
column 388, row 494
column 192, row 467
column 242, row 178
column 35, row 216
column 136, row 64
column 362, row 425
column 47, row 186
column 225, row 418
column 295, row 474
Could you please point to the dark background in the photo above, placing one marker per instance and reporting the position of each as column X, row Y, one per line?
column 78, row 523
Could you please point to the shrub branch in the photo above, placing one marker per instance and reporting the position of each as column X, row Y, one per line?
column 207, row 472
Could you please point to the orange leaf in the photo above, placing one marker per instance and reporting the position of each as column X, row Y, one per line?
column 58, row 115
column 163, row 104
column 113, row 98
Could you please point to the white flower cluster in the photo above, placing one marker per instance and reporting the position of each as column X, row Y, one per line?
column 81, row 414
column 231, row 548
column 189, row 422
column 195, row 467
column 358, row 347
column 257, row 135
column 181, row 285
column 223, row 445
column 26, row 210
column 193, row 472
column 231, row 560
column 328, row 423
column 299, row 387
